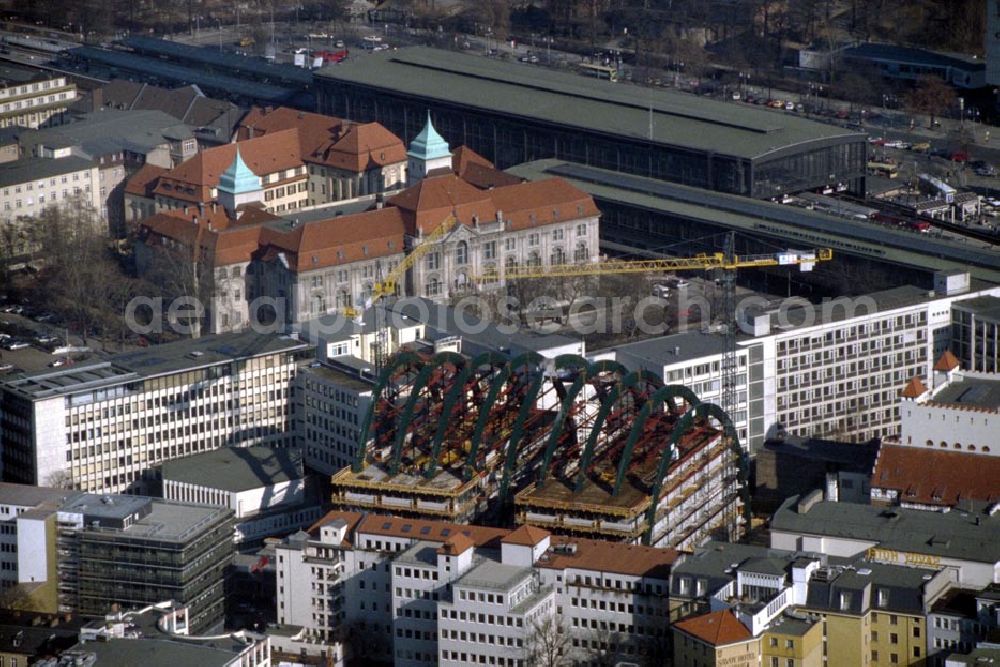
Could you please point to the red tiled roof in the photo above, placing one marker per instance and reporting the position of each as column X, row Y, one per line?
column 716, row 629
column 143, row 181
column 328, row 140
column 210, row 229
column 473, row 168
column 932, row 476
column 527, row 535
column 603, row 556
column 350, row 518
column 193, row 180
column 914, row 388
column 436, row 531
column 532, row 204
column 947, row 362
column 334, row 241
column 456, row 544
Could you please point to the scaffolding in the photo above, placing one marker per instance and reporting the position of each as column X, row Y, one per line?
column 579, row 447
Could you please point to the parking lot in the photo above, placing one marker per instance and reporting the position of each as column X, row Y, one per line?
column 29, row 345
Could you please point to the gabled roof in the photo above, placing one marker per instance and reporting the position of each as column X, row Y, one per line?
column 211, row 230
column 933, row 476
column 143, row 182
column 536, row 203
column 328, row 140
column 914, row 388
column 334, row 241
column 194, row 179
column 456, row 544
column 527, row 535
column 716, row 629
column 473, row 168
column 361, row 147
column 429, row 203
column 947, row 362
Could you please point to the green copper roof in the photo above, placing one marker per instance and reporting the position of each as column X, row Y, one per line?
column 428, row 145
column 238, row 178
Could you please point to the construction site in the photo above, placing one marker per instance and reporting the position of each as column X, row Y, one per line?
column 589, row 449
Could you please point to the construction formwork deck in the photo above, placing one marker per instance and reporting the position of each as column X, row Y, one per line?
column 375, row 477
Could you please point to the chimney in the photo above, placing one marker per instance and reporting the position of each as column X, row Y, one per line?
column 201, row 208
column 215, row 207
column 185, row 210
column 195, row 220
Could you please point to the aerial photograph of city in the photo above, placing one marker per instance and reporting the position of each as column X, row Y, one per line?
column 520, row 333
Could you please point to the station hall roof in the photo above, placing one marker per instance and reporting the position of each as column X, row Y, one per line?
column 571, row 100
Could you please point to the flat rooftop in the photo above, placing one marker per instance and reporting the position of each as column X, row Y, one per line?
column 787, row 225
column 39, row 168
column 671, row 349
column 341, row 376
column 31, row 496
column 495, row 576
column 969, row 392
column 152, row 653
column 173, row 522
column 571, row 100
column 972, row 536
column 236, row 469
column 169, row 358
column 115, row 506
column 138, row 131
column 983, row 307
column 444, row 481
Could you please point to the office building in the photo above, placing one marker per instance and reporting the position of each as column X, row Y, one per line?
column 429, row 592
column 99, row 426
column 83, row 553
column 965, row 544
column 266, row 488
column 976, row 333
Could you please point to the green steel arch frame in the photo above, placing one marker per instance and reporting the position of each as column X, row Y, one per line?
column 684, row 424
column 563, row 362
column 406, row 416
column 510, row 451
column 491, row 359
column 403, row 360
column 630, row 380
column 530, row 359
column 661, row 395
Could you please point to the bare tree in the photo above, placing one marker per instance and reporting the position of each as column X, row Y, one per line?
column 932, row 96
column 60, row 479
column 548, row 644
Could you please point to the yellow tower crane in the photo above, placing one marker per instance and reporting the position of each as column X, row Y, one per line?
column 389, row 285
column 727, row 261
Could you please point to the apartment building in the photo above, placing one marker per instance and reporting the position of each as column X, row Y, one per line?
column 754, row 605
column 30, row 185
column 83, row 553
column 101, row 425
column 29, row 98
column 428, row 592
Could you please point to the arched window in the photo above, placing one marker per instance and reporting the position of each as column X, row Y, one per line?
column 433, row 287
column 558, row 256
column 930, row 443
column 343, row 299
column 944, row 445
column 534, row 259
column 580, row 254
column 972, row 448
column 490, row 273
column 986, row 448
column 462, row 253
column 958, row 445
column 511, row 261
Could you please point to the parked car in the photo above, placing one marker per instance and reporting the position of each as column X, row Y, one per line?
column 6, row 368
column 56, row 363
column 789, row 106
column 13, row 345
column 45, row 317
